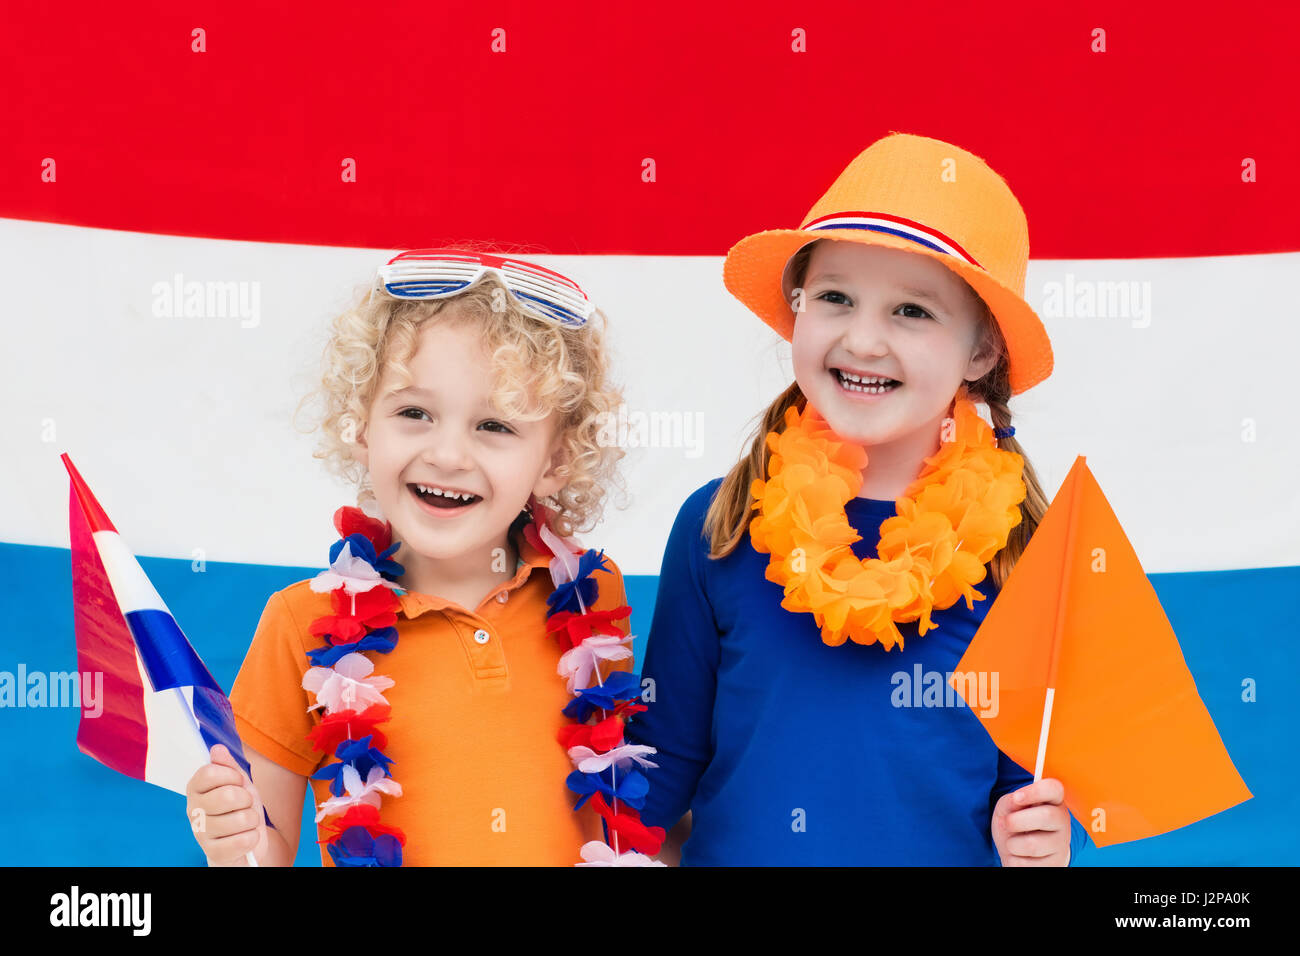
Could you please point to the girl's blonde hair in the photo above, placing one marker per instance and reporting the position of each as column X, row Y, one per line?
column 729, row 514
column 540, row 367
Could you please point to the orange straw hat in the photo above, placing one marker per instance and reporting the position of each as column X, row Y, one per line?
column 920, row 195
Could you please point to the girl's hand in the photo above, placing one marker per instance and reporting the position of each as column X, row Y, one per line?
column 225, row 811
column 1031, row 826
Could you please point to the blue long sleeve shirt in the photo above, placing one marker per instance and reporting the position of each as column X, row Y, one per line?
column 791, row 752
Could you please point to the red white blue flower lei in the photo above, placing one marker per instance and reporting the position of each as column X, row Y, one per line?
column 362, row 581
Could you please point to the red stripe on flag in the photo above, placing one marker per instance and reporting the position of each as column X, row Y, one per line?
column 95, row 517
column 1134, row 151
column 118, row 737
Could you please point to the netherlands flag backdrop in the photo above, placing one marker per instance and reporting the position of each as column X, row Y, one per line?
column 280, row 157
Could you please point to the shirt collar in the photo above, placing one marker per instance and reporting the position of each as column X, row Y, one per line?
column 414, row 604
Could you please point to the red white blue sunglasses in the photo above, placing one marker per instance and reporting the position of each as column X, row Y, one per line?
column 439, row 273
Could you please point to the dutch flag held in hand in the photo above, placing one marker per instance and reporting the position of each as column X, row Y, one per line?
column 162, row 709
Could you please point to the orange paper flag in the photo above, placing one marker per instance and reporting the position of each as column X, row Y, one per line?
column 1092, row 686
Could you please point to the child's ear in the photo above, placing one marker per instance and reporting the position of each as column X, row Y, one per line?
column 359, row 450
column 983, row 359
column 556, row 475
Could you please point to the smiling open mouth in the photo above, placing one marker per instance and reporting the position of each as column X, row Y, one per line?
column 870, row 385
column 435, row 497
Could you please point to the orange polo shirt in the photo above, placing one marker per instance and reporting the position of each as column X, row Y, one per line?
column 476, row 706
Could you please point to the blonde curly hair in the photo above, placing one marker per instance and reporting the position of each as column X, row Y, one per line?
column 540, row 367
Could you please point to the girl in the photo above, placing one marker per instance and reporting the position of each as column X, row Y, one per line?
column 466, row 396
column 815, row 600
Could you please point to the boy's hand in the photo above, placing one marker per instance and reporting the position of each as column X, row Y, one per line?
column 225, row 811
column 1031, row 826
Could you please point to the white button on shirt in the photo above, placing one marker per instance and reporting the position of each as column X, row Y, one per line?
column 481, row 636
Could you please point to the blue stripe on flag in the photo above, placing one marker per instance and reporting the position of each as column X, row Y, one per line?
column 167, row 656
column 217, row 723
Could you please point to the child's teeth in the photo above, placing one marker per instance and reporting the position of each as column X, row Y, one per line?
column 429, row 490
column 873, row 385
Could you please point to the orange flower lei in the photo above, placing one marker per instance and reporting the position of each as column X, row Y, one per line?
column 951, row 521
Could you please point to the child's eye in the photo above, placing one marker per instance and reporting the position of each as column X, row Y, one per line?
column 913, row 305
column 831, row 297
column 497, row 426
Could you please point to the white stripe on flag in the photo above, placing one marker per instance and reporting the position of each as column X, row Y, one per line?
column 175, row 746
column 132, row 588
column 1138, row 338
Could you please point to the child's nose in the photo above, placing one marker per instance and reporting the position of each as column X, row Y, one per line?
column 447, row 450
column 866, row 334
